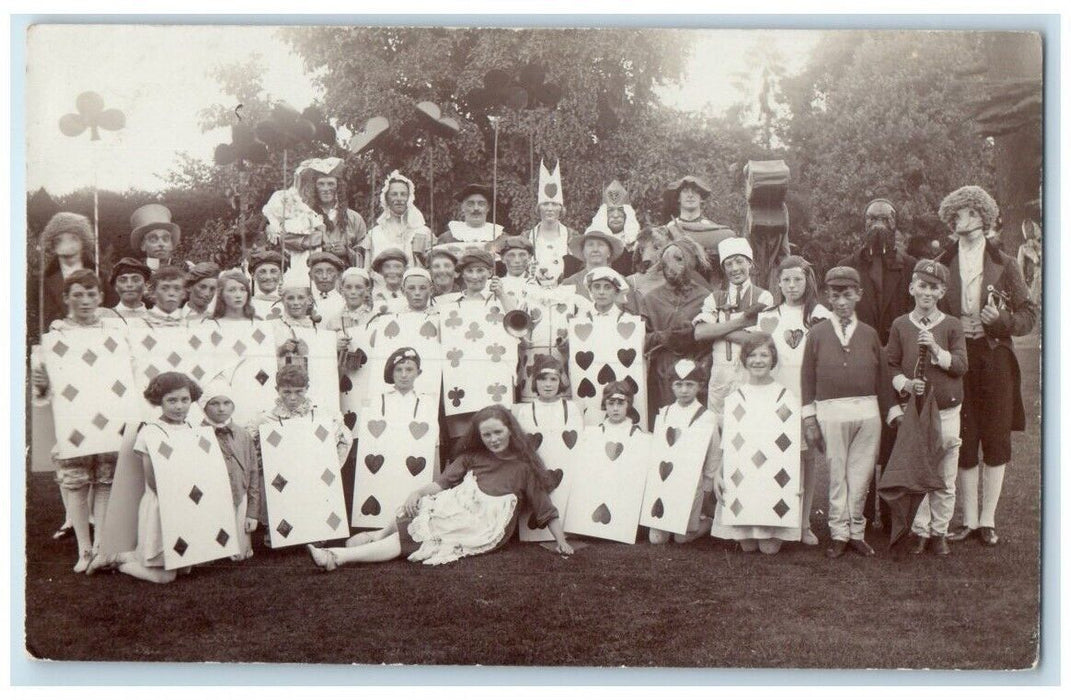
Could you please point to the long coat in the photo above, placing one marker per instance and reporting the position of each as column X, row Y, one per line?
column 1018, row 313
column 880, row 307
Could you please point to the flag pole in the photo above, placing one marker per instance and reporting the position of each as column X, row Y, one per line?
column 494, row 174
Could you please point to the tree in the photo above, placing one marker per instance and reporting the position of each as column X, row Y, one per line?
column 883, row 114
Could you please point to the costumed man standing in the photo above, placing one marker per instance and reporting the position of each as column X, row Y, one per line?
column 987, row 293
column 686, row 197
column 154, row 236
column 401, row 225
column 617, row 216
column 68, row 237
column 473, row 229
column 550, row 238
column 311, row 215
column 669, row 310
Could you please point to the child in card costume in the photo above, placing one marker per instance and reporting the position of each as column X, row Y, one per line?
column 553, row 423
column 129, row 279
column 796, row 311
column 324, row 269
column 845, row 391
column 240, row 456
column 201, row 283
column 606, row 345
column 945, row 358
column 401, row 225
column 173, row 393
column 515, row 252
column 312, row 215
column 81, row 293
column 606, row 496
column 473, row 506
column 685, row 423
column 758, row 485
column 266, row 269
column 233, row 299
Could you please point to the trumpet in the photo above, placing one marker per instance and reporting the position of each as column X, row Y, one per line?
column 517, row 323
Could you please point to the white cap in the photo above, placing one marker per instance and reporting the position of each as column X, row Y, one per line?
column 735, row 246
column 606, row 273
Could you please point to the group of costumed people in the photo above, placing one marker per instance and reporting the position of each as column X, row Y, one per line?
column 467, row 386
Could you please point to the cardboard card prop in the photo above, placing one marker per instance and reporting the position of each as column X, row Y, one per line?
column 603, row 349
column 243, row 353
column 607, row 494
column 395, row 450
column 302, row 481
column 320, row 357
column 554, row 430
column 157, row 350
column 550, row 312
column 196, row 508
column 674, row 469
column 93, row 389
column 761, row 458
column 119, row 532
column 416, row 329
column 479, row 356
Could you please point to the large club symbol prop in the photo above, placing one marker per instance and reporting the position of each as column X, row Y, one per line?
column 431, row 118
column 287, row 128
column 92, row 115
column 242, row 151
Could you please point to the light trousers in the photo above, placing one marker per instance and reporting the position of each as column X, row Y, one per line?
column 935, row 511
column 851, row 451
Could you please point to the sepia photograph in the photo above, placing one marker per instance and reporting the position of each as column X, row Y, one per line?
column 532, row 346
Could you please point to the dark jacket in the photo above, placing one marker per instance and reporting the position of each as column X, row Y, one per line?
column 880, row 307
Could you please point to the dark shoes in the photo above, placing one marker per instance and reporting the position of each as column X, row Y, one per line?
column 988, row 536
column 862, row 548
column 940, row 546
column 920, row 545
column 836, row 549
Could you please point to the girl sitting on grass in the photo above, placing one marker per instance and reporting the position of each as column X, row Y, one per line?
column 173, row 392
column 471, row 508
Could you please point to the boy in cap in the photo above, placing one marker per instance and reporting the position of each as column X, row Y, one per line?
column 442, row 263
column 240, row 456
column 416, row 292
column 726, row 315
column 266, row 269
column 388, row 268
column 201, row 283
column 987, row 293
column 516, row 254
column 845, row 391
column 476, row 269
column 598, row 249
column 324, row 269
column 129, row 279
column 942, row 336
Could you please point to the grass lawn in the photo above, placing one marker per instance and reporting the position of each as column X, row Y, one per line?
column 705, row 604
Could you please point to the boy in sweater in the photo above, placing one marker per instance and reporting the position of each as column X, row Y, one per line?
column 947, row 350
column 845, row 390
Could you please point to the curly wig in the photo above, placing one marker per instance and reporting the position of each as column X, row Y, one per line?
column 67, row 222
column 970, row 196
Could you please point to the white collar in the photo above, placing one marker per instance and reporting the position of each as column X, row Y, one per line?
column 935, row 317
column 845, row 336
column 740, row 291
column 177, row 314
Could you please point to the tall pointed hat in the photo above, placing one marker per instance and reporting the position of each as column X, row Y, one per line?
column 550, row 184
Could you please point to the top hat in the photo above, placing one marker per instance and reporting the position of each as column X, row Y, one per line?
column 150, row 218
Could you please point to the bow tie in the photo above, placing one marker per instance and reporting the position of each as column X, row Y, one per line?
column 224, row 430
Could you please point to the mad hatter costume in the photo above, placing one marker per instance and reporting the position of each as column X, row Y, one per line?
column 156, row 250
column 987, row 293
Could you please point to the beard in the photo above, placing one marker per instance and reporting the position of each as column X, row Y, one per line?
column 881, row 239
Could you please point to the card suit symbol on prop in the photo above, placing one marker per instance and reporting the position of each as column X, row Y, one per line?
column 783, row 442
column 148, row 342
column 91, row 115
column 110, row 344
column 89, row 357
column 793, row 337
column 606, row 374
column 454, row 356
column 736, row 507
column 737, row 477
column 535, row 440
column 783, row 412
column 181, row 546
column 204, row 444
column 584, row 358
column 369, row 135
column 562, row 334
column 535, row 315
column 374, row 463
column 333, row 521
column 76, row 438
column 583, row 330
column 473, row 333
column 350, row 419
column 418, row 429
column 739, row 412
column 782, row 478
column 758, row 459
column 119, row 388
column 533, row 79
column 195, row 342
column 345, row 384
column 586, row 389
column 196, row 495
column 614, row 450
column 279, row 482
column 737, row 441
column 781, row 508
column 556, row 476
column 495, row 317
column 100, row 421
column 768, row 324
column 243, row 148
column 376, row 427
column 658, row 510
column 626, row 356
column 328, row 477
column 392, row 329
column 665, row 469
column 274, row 439
column 497, row 391
column 569, row 438
column 70, row 392
column 166, row 450
column 625, row 329
column 432, row 119
column 321, row 433
column 454, row 320
column 671, row 435
column 222, row 537
column 496, row 352
column 455, row 395
column 428, row 330
column 601, row 515
column 415, row 465
column 60, row 348
column 284, row 528
column 325, row 133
